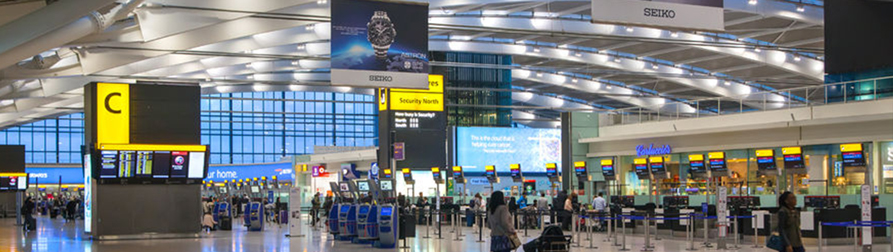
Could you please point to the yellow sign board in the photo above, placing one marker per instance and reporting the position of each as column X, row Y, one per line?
column 696, row 157
column 765, row 153
column 112, row 113
column 580, row 164
column 850, row 147
column 716, row 155
column 640, row 161
column 416, row 101
column 152, row 147
column 607, row 162
column 406, row 170
column 515, row 166
column 435, row 85
column 457, row 168
column 656, row 159
column 791, row 150
column 490, row 168
column 435, row 169
column 551, row 166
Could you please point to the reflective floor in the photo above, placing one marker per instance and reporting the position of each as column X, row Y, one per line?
column 57, row 235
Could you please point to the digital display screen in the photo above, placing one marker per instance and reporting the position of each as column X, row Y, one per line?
column 126, row 161
column 766, row 159
column 696, row 163
column 255, row 189
column 386, row 211
column 640, row 165
column 657, row 165
column 608, row 167
column 717, row 161
column 532, row 149
column 490, row 171
column 144, row 163
column 179, row 164
column 551, row 170
column 435, row 172
column 108, row 164
column 386, row 185
column 22, row 183
column 196, row 165
column 853, row 159
column 516, row 170
column 793, row 157
column 13, row 183
column 363, row 186
column 345, row 208
column 580, row 168
column 344, row 187
column 457, row 172
column 161, row 164
column 363, row 210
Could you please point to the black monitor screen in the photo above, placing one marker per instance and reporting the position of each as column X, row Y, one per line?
column 853, row 159
column 161, row 164
column 108, row 164
column 766, row 163
column 608, row 170
column 179, row 164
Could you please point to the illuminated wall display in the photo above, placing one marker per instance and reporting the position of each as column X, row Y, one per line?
column 416, row 119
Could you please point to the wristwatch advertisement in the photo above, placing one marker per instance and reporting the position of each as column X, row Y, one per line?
column 379, row 43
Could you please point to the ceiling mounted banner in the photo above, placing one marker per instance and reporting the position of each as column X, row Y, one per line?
column 380, row 43
column 702, row 15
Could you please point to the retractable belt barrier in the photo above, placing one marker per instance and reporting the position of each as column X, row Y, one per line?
column 855, row 225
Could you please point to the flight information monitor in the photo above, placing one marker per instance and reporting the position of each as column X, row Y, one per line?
column 580, row 168
column 490, row 173
column 852, row 155
column 696, row 163
column 435, row 172
column 387, row 173
column 13, row 181
column 178, row 164
column 551, row 170
column 516, row 173
column 657, row 165
column 766, row 160
column 459, row 175
column 407, row 175
column 608, row 168
column 717, row 161
column 640, row 165
column 793, row 158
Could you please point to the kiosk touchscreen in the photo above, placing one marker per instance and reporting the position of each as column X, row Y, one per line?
column 459, row 175
column 696, row 166
column 581, row 171
column 640, row 165
column 608, row 169
column 490, row 173
column 717, row 161
column 515, row 169
column 407, row 176
column 658, row 167
column 766, row 162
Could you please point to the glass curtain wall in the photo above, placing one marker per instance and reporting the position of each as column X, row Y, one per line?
column 255, row 127
column 476, row 95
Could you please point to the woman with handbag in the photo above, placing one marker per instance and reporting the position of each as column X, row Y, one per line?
column 788, row 225
column 502, row 233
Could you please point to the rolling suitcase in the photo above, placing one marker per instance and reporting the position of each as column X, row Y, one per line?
column 32, row 224
column 226, row 223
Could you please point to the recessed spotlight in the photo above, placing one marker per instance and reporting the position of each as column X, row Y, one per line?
column 249, row 65
column 616, row 59
column 674, row 34
column 207, row 79
column 800, row 8
column 797, row 58
column 752, row 2
column 309, row 27
column 578, row 54
column 727, row 83
column 654, row 66
column 321, row 1
column 539, row 74
column 302, row 47
column 629, row 29
column 609, row 87
column 757, row 49
column 574, row 80
column 294, row 63
column 536, row 49
column 250, row 77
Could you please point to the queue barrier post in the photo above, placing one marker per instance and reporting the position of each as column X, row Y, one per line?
column 690, row 232
column 820, row 236
column 706, row 232
column 623, row 226
column 647, row 223
column 756, row 235
column 480, row 227
column 735, row 226
column 574, row 232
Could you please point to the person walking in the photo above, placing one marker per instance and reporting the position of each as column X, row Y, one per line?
column 789, row 223
column 500, row 222
column 314, row 209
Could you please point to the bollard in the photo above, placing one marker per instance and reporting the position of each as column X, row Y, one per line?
column 690, row 232
column 735, row 225
column 480, row 227
column 647, row 223
column 756, row 235
column 526, row 218
column 623, row 226
column 706, row 232
column 590, row 233
column 575, row 235
column 439, row 221
column 820, row 236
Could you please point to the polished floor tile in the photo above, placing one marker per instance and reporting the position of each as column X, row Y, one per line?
column 56, row 235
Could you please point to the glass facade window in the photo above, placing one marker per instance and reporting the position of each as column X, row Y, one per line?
column 476, row 96
column 256, row 127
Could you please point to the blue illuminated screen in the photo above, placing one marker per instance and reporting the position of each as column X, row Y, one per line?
column 345, row 208
column 364, row 210
column 531, row 148
column 386, row 211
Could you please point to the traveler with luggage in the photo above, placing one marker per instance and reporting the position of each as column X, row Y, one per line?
column 27, row 211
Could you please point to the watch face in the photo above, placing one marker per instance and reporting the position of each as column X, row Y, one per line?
column 381, row 30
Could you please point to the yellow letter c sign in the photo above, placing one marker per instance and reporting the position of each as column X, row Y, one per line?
column 112, row 113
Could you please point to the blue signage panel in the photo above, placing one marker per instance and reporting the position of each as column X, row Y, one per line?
column 51, row 175
column 219, row 173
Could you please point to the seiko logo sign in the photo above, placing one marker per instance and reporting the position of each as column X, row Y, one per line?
column 381, row 78
column 660, row 13
column 650, row 150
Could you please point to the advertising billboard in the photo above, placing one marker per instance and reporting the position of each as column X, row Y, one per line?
column 379, row 43
column 531, row 148
column 685, row 14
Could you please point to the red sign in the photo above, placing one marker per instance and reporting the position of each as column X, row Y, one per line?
column 319, row 171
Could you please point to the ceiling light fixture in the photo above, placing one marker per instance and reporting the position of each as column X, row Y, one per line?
column 302, row 47
column 654, row 66
column 752, row 2
column 757, row 49
column 250, row 77
column 539, row 74
column 294, row 63
column 616, row 59
column 800, row 8
column 629, row 29
column 536, row 49
column 674, row 34
column 321, row 1
column 797, row 58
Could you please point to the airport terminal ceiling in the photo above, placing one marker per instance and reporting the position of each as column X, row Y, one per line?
column 561, row 61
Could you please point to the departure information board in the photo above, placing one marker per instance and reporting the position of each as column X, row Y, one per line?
column 766, row 160
column 696, row 163
column 717, row 161
column 657, row 165
column 852, row 155
column 148, row 166
column 793, row 158
column 608, row 167
column 640, row 165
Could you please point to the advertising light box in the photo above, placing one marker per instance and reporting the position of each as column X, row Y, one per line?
column 766, row 159
column 640, row 165
column 793, row 158
column 531, row 148
column 696, row 163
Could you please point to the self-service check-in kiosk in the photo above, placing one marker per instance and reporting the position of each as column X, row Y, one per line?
column 255, row 216
column 333, row 215
column 367, row 213
column 347, row 215
column 223, row 215
column 387, row 218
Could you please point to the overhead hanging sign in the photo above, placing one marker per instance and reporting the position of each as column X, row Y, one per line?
column 682, row 14
column 379, row 43
column 112, row 113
